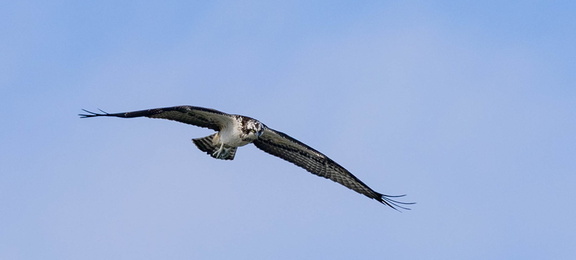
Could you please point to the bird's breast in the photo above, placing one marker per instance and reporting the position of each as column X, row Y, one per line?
column 233, row 137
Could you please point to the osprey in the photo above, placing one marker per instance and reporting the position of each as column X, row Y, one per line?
column 234, row 131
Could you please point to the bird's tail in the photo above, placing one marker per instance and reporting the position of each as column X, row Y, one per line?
column 207, row 144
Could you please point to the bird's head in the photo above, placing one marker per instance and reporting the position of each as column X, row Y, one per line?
column 254, row 127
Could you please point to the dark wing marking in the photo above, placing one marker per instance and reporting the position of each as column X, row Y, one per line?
column 198, row 116
column 296, row 152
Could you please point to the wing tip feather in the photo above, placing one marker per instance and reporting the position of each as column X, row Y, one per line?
column 93, row 114
column 392, row 203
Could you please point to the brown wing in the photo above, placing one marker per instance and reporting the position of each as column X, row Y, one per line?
column 198, row 116
column 296, row 152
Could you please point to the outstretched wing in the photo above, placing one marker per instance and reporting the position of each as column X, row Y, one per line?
column 198, row 116
column 296, row 152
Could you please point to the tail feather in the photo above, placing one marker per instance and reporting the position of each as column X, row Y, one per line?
column 208, row 145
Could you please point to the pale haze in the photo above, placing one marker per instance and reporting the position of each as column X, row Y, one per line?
column 469, row 108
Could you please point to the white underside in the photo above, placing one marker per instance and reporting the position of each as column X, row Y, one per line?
column 230, row 137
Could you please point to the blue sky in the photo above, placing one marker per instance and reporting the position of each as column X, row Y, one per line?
column 467, row 107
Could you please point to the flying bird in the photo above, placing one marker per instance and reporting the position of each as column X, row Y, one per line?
column 233, row 131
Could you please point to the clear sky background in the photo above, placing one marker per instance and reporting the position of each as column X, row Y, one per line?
column 468, row 107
